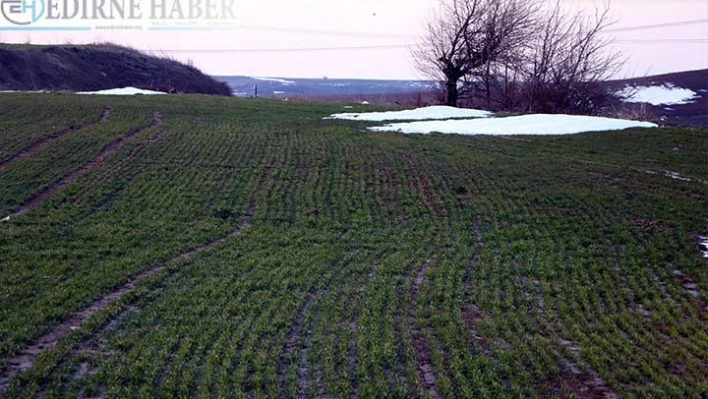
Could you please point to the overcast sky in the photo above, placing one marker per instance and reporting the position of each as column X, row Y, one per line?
column 269, row 25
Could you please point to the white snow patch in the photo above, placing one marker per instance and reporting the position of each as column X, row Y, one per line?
column 421, row 85
column 428, row 113
column 125, row 91
column 364, row 103
column 676, row 176
column 703, row 245
column 348, row 107
column 6, row 219
column 278, row 92
column 668, row 94
column 540, row 124
column 274, row 80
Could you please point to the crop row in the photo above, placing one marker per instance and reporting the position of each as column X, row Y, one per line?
column 375, row 265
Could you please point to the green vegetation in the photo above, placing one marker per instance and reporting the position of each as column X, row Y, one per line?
column 375, row 265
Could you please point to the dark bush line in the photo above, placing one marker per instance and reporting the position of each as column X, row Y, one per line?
column 99, row 67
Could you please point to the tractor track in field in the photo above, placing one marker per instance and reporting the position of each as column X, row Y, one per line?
column 106, row 152
column 421, row 346
column 352, row 325
column 24, row 360
column 352, row 361
column 123, row 166
column 293, row 336
column 301, row 330
column 583, row 382
column 423, row 185
column 471, row 314
column 636, row 305
column 30, row 149
column 265, row 174
column 690, row 285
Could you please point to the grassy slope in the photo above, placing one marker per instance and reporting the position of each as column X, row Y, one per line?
column 576, row 244
column 693, row 114
column 97, row 67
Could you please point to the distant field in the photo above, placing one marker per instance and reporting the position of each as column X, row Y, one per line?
column 188, row 246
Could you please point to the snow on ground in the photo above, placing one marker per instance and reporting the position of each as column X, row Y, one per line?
column 703, row 245
column 125, row 91
column 274, row 80
column 676, row 176
column 667, row 94
column 428, row 113
column 540, row 124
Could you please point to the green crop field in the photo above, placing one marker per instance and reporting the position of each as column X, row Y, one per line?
column 197, row 247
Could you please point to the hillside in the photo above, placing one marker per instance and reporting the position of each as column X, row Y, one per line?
column 420, row 92
column 325, row 89
column 218, row 247
column 97, row 67
column 693, row 112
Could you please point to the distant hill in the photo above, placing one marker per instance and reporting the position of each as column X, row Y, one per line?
column 244, row 86
column 693, row 112
column 98, row 67
column 418, row 92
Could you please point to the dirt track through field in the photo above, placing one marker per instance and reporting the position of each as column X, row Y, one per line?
column 301, row 331
column 421, row 346
column 29, row 150
column 583, row 382
column 423, row 184
column 470, row 312
column 106, row 152
column 352, row 356
column 289, row 346
column 26, row 358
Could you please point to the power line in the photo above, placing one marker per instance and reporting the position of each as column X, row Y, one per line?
column 283, row 50
column 664, row 41
column 325, row 32
column 389, row 46
column 654, row 26
column 404, row 46
column 393, row 35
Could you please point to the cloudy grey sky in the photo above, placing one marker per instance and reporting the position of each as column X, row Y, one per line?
column 377, row 32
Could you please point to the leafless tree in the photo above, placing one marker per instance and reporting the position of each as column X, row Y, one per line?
column 466, row 36
column 568, row 62
column 525, row 55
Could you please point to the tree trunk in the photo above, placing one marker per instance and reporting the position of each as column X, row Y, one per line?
column 488, row 83
column 452, row 94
